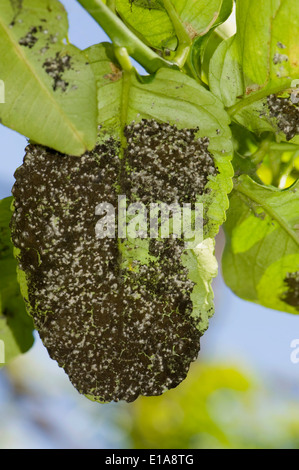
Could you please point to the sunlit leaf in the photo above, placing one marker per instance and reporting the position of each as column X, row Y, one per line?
column 256, row 69
column 261, row 257
column 150, row 19
column 49, row 86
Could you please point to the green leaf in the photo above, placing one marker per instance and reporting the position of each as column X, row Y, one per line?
column 261, row 257
column 173, row 97
column 15, row 325
column 201, row 53
column 50, row 92
column 260, row 60
column 264, row 37
column 150, row 20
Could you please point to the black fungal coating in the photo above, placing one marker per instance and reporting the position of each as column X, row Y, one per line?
column 118, row 332
column 55, row 67
column 167, row 164
column 280, row 58
column 176, row 285
column 286, row 112
column 281, row 45
column 291, row 296
column 30, row 39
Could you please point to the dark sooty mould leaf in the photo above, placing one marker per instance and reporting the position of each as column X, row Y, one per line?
column 286, row 112
column 291, row 295
column 118, row 333
column 167, row 164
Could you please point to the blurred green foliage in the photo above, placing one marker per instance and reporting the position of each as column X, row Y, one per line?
column 215, row 407
column 16, row 326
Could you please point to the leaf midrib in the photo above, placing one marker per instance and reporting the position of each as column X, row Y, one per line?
column 124, row 105
column 273, row 214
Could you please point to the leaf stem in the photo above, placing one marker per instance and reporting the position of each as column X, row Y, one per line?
column 182, row 35
column 259, row 95
column 121, row 36
column 284, row 147
column 288, row 170
column 259, row 155
column 126, row 86
column 268, row 145
column 123, row 58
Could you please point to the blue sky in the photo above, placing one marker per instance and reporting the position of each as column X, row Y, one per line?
column 240, row 332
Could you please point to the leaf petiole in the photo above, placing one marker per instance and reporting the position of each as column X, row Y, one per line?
column 182, row 35
column 123, row 58
column 122, row 37
column 259, row 95
column 262, row 151
column 286, row 173
column 284, row 147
